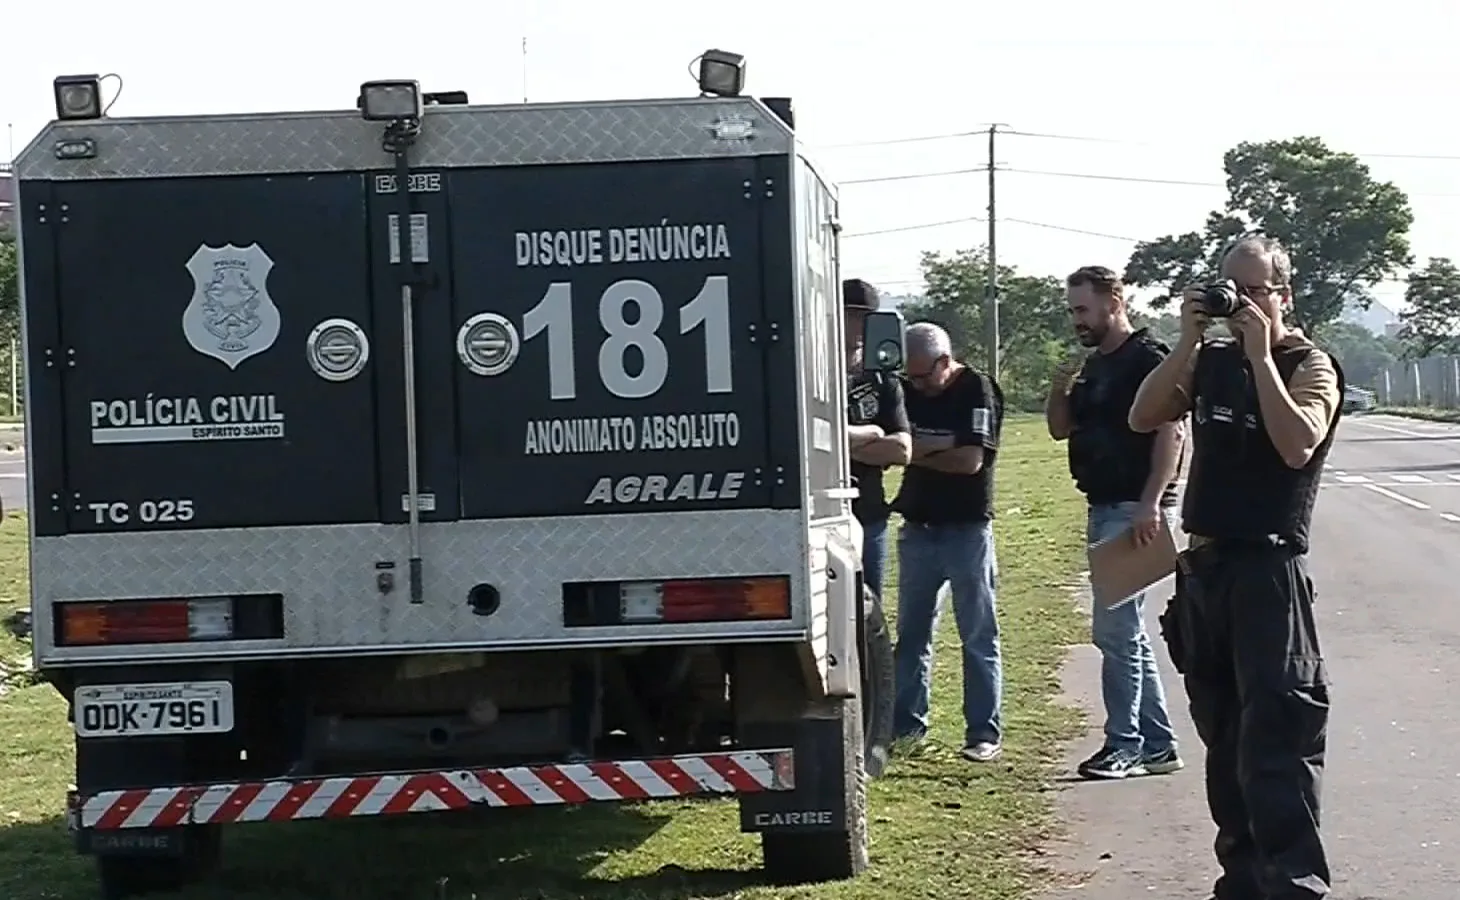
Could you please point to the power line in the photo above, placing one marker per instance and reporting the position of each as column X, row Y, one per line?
column 912, row 176
column 1099, row 234
column 1068, row 137
column 919, row 139
column 1123, row 178
column 1089, row 176
column 1092, row 139
column 922, row 227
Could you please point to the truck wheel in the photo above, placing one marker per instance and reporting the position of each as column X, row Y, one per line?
column 124, row 877
column 877, row 687
column 841, row 853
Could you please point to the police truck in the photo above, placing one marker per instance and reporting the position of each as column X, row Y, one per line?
column 426, row 456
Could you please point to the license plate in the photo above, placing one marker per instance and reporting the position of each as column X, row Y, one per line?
column 147, row 710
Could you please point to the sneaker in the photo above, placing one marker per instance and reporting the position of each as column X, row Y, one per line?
column 983, row 751
column 1163, row 763
column 1112, row 763
column 908, row 744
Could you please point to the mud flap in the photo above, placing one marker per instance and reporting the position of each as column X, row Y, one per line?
column 136, row 861
column 877, row 685
column 817, row 832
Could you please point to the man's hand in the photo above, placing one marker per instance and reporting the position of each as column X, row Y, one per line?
column 1066, row 372
column 926, row 445
column 1146, row 523
column 1194, row 317
column 858, row 435
column 1255, row 329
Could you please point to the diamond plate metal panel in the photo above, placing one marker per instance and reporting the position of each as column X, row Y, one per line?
column 452, row 137
column 327, row 575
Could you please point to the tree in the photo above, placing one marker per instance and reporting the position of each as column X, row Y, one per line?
column 1431, row 325
column 1164, row 327
column 1035, row 334
column 9, row 285
column 1363, row 354
column 1345, row 231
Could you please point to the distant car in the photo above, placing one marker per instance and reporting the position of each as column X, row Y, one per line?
column 1357, row 399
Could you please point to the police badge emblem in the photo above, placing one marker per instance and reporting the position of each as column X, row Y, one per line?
column 868, row 405
column 231, row 315
column 864, row 405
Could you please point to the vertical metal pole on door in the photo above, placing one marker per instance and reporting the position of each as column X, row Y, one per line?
column 409, row 276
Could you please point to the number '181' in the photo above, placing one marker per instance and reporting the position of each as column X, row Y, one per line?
column 553, row 314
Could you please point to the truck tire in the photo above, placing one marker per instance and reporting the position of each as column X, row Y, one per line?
column 125, row 877
column 837, row 854
column 878, row 687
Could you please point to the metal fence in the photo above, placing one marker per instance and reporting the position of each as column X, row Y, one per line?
column 1433, row 382
column 12, row 379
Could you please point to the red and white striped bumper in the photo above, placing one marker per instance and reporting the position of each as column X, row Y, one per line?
column 741, row 772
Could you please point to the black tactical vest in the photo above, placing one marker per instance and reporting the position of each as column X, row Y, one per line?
column 1238, row 486
column 1108, row 461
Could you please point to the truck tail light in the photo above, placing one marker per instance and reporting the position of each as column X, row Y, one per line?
column 758, row 598
column 713, row 600
column 173, row 621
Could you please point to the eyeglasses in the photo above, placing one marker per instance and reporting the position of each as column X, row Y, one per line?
column 921, row 377
column 1259, row 291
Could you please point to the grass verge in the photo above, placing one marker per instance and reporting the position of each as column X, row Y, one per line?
column 942, row 828
column 1428, row 413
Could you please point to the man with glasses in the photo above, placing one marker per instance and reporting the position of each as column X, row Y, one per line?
column 947, row 505
column 1241, row 628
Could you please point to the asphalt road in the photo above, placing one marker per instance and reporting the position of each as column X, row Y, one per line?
column 1386, row 549
column 12, row 471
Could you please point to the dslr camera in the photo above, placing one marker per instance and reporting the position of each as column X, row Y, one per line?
column 1222, row 300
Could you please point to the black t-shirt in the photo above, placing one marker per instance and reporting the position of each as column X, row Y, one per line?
column 874, row 399
column 1109, row 462
column 971, row 409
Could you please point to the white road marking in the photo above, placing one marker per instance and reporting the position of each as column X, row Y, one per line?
column 1400, row 497
column 1410, row 479
column 1450, row 517
column 1445, row 434
column 1354, row 479
column 1454, row 476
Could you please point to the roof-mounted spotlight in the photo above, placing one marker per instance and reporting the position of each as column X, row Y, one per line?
column 390, row 101
column 78, row 97
column 722, row 73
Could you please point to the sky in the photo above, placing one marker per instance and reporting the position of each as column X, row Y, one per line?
column 1121, row 89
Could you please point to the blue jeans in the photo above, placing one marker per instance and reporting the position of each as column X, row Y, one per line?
column 874, row 554
column 963, row 556
column 1135, row 701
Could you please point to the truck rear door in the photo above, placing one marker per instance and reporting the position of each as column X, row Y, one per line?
column 185, row 307
column 611, row 336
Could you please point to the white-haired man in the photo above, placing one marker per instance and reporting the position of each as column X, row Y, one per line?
column 947, row 506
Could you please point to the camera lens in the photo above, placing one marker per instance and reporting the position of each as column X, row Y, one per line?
column 1221, row 301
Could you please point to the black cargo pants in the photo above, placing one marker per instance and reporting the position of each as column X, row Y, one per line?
column 1242, row 633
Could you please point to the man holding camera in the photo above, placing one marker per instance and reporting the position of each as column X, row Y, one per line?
column 1129, row 480
column 877, row 430
column 1240, row 627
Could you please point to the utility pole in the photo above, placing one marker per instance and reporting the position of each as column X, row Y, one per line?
column 992, row 290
